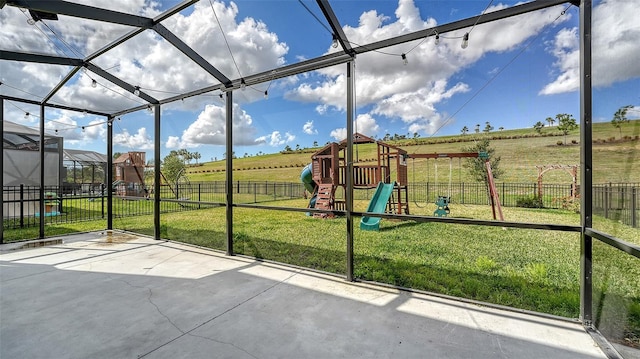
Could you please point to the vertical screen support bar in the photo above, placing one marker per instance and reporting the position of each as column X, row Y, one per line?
column 2, row 174
column 41, row 148
column 156, row 173
column 586, row 162
column 109, row 171
column 229, row 169
column 349, row 176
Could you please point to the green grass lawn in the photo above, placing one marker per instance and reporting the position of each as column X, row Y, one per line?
column 613, row 160
column 529, row 269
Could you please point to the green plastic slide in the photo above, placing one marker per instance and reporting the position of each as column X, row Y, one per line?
column 377, row 205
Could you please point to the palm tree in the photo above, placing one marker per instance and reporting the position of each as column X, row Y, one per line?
column 464, row 130
column 477, row 128
column 550, row 120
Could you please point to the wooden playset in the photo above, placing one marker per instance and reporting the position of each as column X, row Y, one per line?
column 388, row 175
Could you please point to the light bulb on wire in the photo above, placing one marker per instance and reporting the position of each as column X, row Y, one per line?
column 26, row 115
column 243, row 85
column 404, row 59
column 334, row 42
column 266, row 95
column 465, row 41
column 136, row 91
column 94, row 83
column 31, row 21
column 437, row 39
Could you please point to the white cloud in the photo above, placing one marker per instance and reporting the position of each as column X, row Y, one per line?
column 147, row 60
column 308, row 128
column 138, row 141
column 364, row 124
column 275, row 139
column 615, row 54
column 210, row 129
column 382, row 79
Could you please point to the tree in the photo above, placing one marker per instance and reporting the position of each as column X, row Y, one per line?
column 172, row 165
column 287, row 148
column 566, row 124
column 116, row 155
column 476, row 166
column 464, row 130
column 487, row 128
column 620, row 117
column 197, row 156
column 297, row 147
column 315, row 143
column 500, row 128
column 477, row 128
column 416, row 135
column 550, row 120
column 538, row 127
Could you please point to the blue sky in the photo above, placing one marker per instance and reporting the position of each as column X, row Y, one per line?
column 513, row 73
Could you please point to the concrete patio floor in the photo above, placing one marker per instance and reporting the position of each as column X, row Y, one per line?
column 123, row 296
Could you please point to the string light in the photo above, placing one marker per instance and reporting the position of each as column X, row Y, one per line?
column 26, row 115
column 266, row 95
column 136, row 91
column 243, row 85
column 437, row 39
column 31, row 21
column 82, row 128
column 149, row 108
column 465, row 41
column 404, row 59
column 94, row 83
column 334, row 42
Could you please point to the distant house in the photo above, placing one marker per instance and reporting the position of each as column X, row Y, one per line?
column 128, row 170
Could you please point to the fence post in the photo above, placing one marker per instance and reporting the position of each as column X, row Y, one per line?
column 102, row 187
column 199, row 194
column 606, row 201
column 255, row 192
column 634, row 208
column 21, row 205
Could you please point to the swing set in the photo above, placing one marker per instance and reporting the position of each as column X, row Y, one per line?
column 442, row 201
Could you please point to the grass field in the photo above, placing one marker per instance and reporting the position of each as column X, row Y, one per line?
column 614, row 160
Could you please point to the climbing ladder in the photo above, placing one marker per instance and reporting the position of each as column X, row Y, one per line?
column 325, row 200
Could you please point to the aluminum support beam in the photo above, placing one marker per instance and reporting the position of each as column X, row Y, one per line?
column 462, row 24
column 41, row 191
column 156, row 173
column 338, row 33
column 586, row 165
column 40, row 59
column 83, row 11
column 229, row 177
column 60, row 84
column 52, row 105
column 109, row 171
column 191, row 53
column 2, row 174
column 349, row 176
column 124, row 85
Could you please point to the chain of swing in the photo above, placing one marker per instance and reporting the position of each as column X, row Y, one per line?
column 426, row 202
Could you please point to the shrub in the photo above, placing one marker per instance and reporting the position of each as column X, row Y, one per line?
column 529, row 202
column 575, row 142
column 559, row 143
column 568, row 203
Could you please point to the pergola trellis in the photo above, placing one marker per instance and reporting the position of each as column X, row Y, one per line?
column 347, row 55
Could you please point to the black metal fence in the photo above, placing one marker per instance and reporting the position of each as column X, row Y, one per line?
column 22, row 209
column 618, row 201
